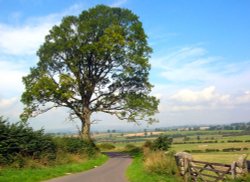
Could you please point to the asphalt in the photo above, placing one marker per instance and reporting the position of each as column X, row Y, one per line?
column 112, row 171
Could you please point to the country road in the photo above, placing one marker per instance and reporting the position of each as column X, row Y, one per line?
column 112, row 171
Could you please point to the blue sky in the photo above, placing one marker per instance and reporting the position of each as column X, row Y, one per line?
column 200, row 63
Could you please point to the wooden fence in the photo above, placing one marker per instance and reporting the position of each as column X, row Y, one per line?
column 208, row 172
column 193, row 170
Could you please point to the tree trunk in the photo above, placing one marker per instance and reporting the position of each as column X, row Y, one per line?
column 85, row 133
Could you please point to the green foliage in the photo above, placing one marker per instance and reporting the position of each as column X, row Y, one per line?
column 232, row 149
column 197, row 151
column 234, row 141
column 18, row 141
column 163, row 142
column 148, row 144
column 75, row 145
column 212, row 150
column 106, row 146
column 101, row 60
column 130, row 147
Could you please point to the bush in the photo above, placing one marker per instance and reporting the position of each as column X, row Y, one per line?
column 212, row 150
column 90, row 148
column 231, row 149
column 75, row 145
column 148, row 144
column 106, row 146
column 130, row 147
column 18, row 141
column 163, row 142
column 197, row 151
column 234, row 141
column 160, row 163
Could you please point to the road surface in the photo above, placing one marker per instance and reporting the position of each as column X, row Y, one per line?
column 112, row 171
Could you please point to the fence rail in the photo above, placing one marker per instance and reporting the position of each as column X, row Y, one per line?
column 208, row 172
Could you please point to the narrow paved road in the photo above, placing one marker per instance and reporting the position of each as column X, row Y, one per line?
column 112, row 171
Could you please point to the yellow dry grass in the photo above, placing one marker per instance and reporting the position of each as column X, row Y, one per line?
column 159, row 162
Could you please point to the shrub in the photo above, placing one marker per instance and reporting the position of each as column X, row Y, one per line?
column 196, row 151
column 75, row 145
column 160, row 163
column 234, row 141
column 212, row 150
column 18, row 141
column 231, row 149
column 106, row 146
column 210, row 141
column 130, row 147
column 90, row 148
column 148, row 144
column 163, row 142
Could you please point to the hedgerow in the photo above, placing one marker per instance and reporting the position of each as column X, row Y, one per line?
column 18, row 141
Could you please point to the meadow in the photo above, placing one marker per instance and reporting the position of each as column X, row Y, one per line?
column 224, row 146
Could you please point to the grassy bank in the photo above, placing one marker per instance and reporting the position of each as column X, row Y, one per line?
column 136, row 173
column 39, row 174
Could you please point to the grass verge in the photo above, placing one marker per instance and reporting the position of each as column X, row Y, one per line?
column 136, row 173
column 33, row 175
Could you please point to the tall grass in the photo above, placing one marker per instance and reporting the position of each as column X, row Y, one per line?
column 136, row 173
column 152, row 166
column 160, row 163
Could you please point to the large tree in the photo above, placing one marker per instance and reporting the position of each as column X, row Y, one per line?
column 94, row 62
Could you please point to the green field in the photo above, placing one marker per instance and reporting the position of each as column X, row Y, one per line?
column 196, row 142
column 204, row 146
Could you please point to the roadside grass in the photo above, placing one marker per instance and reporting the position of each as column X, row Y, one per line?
column 136, row 173
column 45, row 173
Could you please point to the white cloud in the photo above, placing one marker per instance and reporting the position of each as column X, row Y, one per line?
column 205, row 99
column 23, row 40
column 205, row 95
column 26, row 39
column 6, row 103
column 11, row 74
column 10, row 108
column 243, row 99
